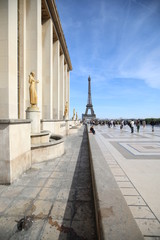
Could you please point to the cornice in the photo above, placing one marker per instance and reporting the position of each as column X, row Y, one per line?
column 50, row 9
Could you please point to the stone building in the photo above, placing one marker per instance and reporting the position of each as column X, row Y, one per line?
column 31, row 39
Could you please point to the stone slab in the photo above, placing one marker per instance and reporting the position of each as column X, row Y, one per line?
column 114, row 219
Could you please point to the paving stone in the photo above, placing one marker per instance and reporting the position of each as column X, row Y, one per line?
column 58, row 190
column 117, row 172
column 57, row 174
column 37, row 182
column 121, row 178
column 53, row 232
column 8, row 227
column 12, row 192
column 141, row 212
column 3, row 188
column 152, row 238
column 41, row 208
column 149, row 227
column 48, row 194
column 24, row 181
column 32, row 172
column 43, row 174
column 62, row 210
column 68, row 183
column 129, row 191
column 18, row 207
column 113, row 166
column 4, row 204
column 53, row 183
column 134, row 200
column 32, row 233
column 125, row 184
column 66, row 194
column 30, row 192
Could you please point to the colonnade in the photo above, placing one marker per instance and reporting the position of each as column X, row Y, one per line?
column 30, row 42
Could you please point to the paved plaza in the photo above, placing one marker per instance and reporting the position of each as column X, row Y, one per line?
column 134, row 160
column 54, row 196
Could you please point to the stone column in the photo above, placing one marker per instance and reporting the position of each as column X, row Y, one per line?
column 68, row 92
column 62, row 103
column 8, row 59
column 56, row 77
column 65, row 82
column 23, row 83
column 34, row 46
column 47, row 70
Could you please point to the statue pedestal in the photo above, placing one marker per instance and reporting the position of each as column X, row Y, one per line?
column 65, row 117
column 33, row 114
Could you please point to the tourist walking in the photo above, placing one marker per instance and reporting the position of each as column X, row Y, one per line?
column 121, row 124
column 138, row 125
column 152, row 124
column 144, row 123
column 132, row 126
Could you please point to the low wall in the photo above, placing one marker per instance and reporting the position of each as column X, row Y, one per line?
column 74, row 126
column 15, row 154
column 60, row 127
column 47, row 151
column 113, row 217
column 55, row 126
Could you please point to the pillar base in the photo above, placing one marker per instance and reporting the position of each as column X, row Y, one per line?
column 65, row 117
column 33, row 114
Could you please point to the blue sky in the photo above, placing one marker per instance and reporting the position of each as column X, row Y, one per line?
column 117, row 43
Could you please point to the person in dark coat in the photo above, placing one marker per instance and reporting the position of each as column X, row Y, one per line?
column 92, row 130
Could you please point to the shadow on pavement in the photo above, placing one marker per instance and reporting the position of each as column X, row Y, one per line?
column 79, row 218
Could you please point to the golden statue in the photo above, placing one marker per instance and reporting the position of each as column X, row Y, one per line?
column 73, row 113
column 66, row 109
column 32, row 89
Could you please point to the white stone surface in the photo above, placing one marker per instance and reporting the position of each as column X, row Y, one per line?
column 68, row 92
column 125, row 184
column 22, row 23
column 15, row 157
column 56, row 127
column 65, row 82
column 62, row 102
column 8, row 59
column 34, row 46
column 47, row 62
column 134, row 200
column 56, row 79
column 47, row 153
column 34, row 115
column 139, row 158
column 141, row 212
column 23, row 80
column 149, row 227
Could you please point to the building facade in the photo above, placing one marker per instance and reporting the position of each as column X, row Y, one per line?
column 31, row 40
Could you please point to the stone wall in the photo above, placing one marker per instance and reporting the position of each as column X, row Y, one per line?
column 15, row 154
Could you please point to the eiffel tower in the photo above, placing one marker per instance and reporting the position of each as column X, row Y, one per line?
column 89, row 105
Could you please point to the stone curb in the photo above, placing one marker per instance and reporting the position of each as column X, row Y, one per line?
column 113, row 217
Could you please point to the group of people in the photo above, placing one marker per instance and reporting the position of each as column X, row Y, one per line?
column 123, row 123
column 138, row 123
column 131, row 125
